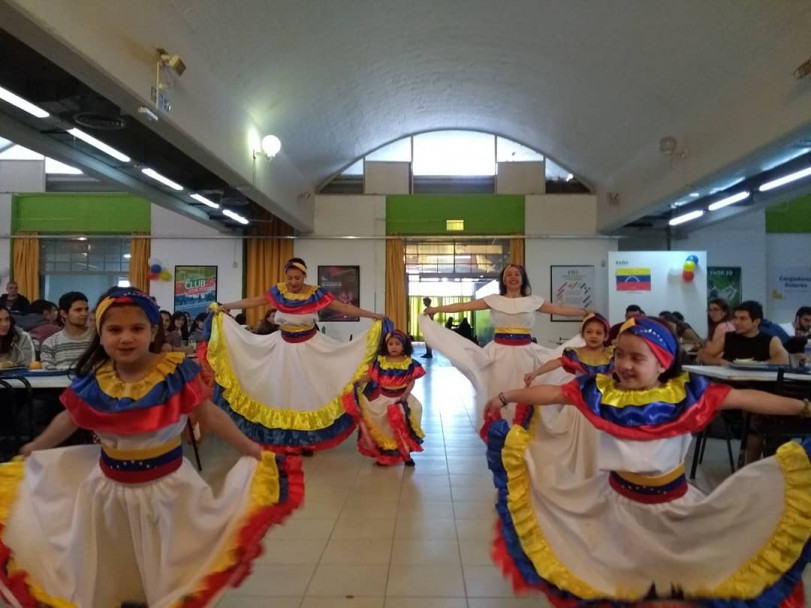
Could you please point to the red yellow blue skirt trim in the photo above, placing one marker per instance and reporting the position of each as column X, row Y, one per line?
column 518, row 536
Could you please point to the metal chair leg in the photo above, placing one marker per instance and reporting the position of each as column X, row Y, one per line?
column 729, row 447
column 194, row 445
column 696, row 451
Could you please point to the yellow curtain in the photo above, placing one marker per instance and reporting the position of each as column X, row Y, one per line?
column 25, row 258
column 517, row 252
column 264, row 260
column 140, row 250
column 396, row 287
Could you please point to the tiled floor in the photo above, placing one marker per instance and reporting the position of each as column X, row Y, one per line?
column 372, row 537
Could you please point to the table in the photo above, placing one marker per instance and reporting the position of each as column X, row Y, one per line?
column 38, row 381
column 733, row 375
column 737, row 376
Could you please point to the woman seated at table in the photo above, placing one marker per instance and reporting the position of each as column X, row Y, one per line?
column 16, row 347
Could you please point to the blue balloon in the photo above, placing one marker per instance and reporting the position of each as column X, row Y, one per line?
column 692, row 258
column 156, row 268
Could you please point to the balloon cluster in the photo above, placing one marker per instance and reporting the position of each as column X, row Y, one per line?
column 157, row 272
column 688, row 272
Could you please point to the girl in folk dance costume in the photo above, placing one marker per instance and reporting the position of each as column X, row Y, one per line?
column 635, row 530
column 130, row 521
column 502, row 363
column 290, row 390
column 593, row 358
column 389, row 427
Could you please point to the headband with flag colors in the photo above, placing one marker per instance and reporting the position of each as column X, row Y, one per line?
column 295, row 264
column 658, row 338
column 125, row 295
column 396, row 333
column 595, row 316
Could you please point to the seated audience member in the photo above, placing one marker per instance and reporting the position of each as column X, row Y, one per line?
column 774, row 330
column 63, row 349
column 13, row 300
column 686, row 335
column 16, row 348
column 465, row 330
column 631, row 311
column 40, row 322
column 268, row 324
column 747, row 342
column 196, row 333
column 719, row 322
column 242, row 319
column 179, row 326
column 801, row 331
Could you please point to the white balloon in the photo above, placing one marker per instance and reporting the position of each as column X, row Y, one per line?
column 154, row 262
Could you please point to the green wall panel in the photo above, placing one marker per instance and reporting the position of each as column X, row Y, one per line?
column 427, row 213
column 793, row 216
column 80, row 213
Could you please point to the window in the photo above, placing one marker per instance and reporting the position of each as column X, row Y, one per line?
column 475, row 259
column 90, row 265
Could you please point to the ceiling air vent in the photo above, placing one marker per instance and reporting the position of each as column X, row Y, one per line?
column 99, row 114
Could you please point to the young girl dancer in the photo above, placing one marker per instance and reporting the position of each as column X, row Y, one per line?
column 286, row 390
column 389, row 425
column 130, row 521
column 635, row 529
column 593, row 358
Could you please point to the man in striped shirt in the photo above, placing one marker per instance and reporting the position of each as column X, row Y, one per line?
column 63, row 349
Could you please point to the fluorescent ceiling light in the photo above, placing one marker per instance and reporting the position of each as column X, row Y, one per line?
column 202, row 199
column 234, row 216
column 786, row 179
column 21, row 103
column 694, row 195
column 730, row 200
column 99, row 145
column 681, row 219
column 160, row 178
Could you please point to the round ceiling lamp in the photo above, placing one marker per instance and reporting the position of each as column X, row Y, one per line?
column 271, row 145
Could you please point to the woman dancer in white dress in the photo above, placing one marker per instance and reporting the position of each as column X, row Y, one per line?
column 503, row 362
column 291, row 390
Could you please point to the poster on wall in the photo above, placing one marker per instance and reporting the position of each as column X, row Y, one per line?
column 791, row 288
column 572, row 286
column 724, row 282
column 195, row 288
column 633, row 279
column 343, row 282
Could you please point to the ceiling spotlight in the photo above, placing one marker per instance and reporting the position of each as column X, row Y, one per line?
column 172, row 61
column 271, row 145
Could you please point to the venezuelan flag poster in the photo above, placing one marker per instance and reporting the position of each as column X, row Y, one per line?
column 633, row 279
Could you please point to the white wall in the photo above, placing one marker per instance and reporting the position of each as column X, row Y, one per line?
column 739, row 241
column 16, row 176
column 356, row 215
column 203, row 250
column 564, row 214
column 543, row 253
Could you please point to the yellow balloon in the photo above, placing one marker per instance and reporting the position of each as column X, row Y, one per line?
column 165, row 275
column 689, row 266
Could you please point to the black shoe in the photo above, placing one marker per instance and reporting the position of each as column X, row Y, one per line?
column 307, row 452
column 410, row 463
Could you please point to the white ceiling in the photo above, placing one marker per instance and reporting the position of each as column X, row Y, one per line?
column 594, row 85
